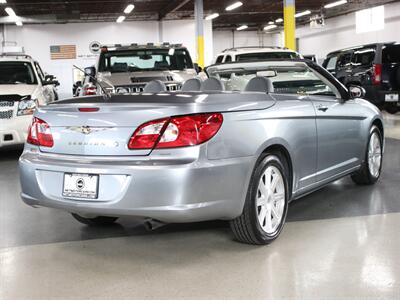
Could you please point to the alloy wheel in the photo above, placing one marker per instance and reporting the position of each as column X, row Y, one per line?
column 374, row 155
column 270, row 199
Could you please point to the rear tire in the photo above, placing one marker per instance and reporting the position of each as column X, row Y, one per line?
column 95, row 221
column 371, row 168
column 266, row 203
column 392, row 108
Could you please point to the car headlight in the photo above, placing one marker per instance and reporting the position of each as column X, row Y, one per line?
column 26, row 107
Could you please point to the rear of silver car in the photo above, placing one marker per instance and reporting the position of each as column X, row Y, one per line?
column 89, row 168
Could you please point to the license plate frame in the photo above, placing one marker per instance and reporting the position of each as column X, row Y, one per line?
column 81, row 186
column 391, row 97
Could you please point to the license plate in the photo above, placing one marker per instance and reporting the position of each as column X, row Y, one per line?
column 83, row 186
column 392, row 97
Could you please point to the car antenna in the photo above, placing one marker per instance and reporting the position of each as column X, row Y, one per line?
column 106, row 94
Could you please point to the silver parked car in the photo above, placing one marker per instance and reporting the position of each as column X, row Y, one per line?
column 128, row 68
column 239, row 147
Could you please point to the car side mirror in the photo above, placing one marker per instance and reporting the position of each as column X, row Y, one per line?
column 49, row 77
column 198, row 68
column 356, row 91
column 90, row 71
column 53, row 81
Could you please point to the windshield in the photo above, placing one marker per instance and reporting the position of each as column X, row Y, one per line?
column 266, row 55
column 17, row 73
column 286, row 79
column 145, row 60
column 391, row 54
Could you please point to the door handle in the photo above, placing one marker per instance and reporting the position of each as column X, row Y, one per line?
column 322, row 108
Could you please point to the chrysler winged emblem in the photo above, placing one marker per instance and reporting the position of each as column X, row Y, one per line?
column 85, row 129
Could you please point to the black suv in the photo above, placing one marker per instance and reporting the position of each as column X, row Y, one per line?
column 375, row 67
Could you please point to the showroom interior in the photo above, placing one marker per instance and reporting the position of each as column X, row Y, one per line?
column 307, row 90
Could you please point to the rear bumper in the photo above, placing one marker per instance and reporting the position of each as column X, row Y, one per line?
column 170, row 192
column 14, row 131
column 378, row 96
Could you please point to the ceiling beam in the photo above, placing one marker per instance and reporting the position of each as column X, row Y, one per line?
column 172, row 7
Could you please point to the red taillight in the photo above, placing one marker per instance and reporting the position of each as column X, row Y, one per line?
column 39, row 133
column 89, row 90
column 88, row 109
column 146, row 135
column 377, row 74
column 176, row 132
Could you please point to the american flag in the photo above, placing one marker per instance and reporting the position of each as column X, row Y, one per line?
column 63, row 52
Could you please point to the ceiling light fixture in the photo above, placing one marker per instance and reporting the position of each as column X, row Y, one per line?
column 243, row 27
column 280, row 20
column 10, row 12
column 212, row 17
column 121, row 19
column 269, row 27
column 19, row 23
column 3, row 1
column 129, row 9
column 334, row 4
column 303, row 13
column 234, row 6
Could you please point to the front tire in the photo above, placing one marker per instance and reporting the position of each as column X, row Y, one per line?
column 371, row 168
column 95, row 221
column 266, row 203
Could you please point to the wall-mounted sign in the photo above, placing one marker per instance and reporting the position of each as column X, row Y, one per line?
column 63, row 52
column 94, row 47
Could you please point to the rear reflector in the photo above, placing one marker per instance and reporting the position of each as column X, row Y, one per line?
column 39, row 134
column 175, row 132
column 377, row 74
column 90, row 90
column 88, row 109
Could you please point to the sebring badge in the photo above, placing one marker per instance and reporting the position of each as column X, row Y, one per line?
column 85, row 129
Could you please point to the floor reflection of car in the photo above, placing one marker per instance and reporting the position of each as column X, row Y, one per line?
column 238, row 146
column 23, row 87
column 128, row 68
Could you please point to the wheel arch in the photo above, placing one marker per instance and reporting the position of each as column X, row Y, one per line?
column 282, row 150
column 378, row 123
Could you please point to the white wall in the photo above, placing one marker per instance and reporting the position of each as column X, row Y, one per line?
column 36, row 39
column 340, row 32
column 184, row 32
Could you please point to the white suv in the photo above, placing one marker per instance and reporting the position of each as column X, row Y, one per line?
column 23, row 87
column 255, row 54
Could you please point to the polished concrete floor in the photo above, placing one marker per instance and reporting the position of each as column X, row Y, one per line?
column 341, row 242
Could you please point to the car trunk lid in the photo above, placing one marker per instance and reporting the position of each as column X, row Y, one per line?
column 107, row 129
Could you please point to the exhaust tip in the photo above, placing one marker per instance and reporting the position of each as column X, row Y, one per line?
column 151, row 224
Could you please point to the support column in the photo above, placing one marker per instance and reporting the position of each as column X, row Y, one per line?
column 199, row 17
column 3, row 36
column 289, row 11
column 160, row 32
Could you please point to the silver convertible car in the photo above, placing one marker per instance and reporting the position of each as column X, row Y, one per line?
column 239, row 147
